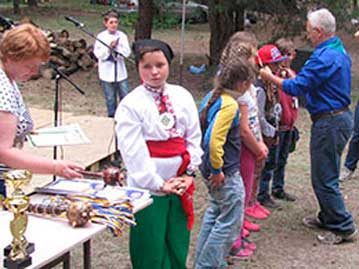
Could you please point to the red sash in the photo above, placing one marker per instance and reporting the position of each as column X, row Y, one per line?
column 170, row 148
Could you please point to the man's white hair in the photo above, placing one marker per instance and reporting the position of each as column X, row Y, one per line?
column 322, row 18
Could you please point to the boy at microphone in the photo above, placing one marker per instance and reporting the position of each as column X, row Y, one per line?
column 111, row 65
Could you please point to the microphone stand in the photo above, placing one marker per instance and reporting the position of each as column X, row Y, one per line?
column 58, row 76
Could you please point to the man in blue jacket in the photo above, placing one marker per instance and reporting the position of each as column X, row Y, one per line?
column 325, row 80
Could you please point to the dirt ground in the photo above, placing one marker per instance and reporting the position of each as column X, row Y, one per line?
column 283, row 241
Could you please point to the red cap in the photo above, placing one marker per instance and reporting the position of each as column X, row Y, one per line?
column 269, row 54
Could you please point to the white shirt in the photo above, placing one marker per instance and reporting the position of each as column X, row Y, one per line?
column 106, row 67
column 249, row 99
column 138, row 120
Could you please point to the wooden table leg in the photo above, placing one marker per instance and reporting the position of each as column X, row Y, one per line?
column 66, row 261
column 87, row 254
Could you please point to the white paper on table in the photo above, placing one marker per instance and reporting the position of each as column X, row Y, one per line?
column 71, row 134
column 139, row 198
column 72, row 186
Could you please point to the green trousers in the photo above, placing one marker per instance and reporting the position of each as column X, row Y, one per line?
column 161, row 238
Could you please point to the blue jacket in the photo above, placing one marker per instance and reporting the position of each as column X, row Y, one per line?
column 325, row 79
column 221, row 141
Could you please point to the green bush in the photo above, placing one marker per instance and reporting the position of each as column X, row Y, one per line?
column 129, row 20
column 165, row 22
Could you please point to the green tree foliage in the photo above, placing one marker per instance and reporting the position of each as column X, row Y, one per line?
column 284, row 17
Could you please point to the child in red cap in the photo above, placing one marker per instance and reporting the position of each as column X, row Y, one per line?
column 279, row 113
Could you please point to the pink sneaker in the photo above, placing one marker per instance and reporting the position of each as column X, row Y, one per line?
column 243, row 254
column 237, row 244
column 255, row 213
column 248, row 244
column 245, row 232
column 262, row 208
column 250, row 226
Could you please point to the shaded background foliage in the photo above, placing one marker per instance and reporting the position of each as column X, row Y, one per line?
column 225, row 17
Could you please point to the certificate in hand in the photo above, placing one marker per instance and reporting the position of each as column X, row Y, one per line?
column 57, row 136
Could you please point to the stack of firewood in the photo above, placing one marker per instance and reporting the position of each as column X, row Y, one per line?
column 68, row 55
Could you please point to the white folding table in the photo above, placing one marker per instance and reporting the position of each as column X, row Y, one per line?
column 53, row 239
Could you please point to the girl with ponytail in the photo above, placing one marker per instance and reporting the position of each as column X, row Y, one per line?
column 220, row 120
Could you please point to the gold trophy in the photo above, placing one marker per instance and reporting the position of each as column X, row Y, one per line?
column 17, row 253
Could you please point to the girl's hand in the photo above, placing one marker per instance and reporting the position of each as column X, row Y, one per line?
column 356, row 35
column 217, row 180
column 182, row 184
column 263, row 153
column 175, row 185
column 186, row 182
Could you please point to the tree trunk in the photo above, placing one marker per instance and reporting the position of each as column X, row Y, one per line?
column 16, row 6
column 239, row 21
column 32, row 3
column 224, row 19
column 355, row 5
column 144, row 23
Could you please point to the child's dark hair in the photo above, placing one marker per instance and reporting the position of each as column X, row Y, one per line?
column 234, row 70
column 141, row 47
column 142, row 51
column 285, row 45
column 109, row 15
column 242, row 43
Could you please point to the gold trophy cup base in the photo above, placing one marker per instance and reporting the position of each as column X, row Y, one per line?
column 17, row 264
column 29, row 249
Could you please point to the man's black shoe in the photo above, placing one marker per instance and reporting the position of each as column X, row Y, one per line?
column 331, row 238
column 267, row 201
column 312, row 222
column 282, row 195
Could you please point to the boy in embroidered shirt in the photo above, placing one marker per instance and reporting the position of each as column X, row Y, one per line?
column 111, row 64
column 159, row 138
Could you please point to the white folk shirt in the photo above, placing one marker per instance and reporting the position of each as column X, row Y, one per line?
column 106, row 67
column 138, row 120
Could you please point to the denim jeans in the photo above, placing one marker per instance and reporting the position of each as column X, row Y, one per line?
column 328, row 139
column 2, row 188
column 112, row 91
column 221, row 223
column 275, row 165
column 352, row 157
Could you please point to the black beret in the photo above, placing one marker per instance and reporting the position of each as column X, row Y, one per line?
column 152, row 43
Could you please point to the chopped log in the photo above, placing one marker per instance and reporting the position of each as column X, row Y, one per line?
column 57, row 60
column 66, row 54
column 73, row 51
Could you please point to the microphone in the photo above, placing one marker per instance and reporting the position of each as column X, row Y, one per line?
column 6, row 22
column 74, row 21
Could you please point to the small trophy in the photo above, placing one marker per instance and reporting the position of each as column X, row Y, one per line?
column 18, row 252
